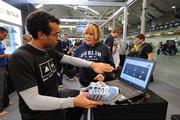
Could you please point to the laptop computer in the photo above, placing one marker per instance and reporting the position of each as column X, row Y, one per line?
column 134, row 78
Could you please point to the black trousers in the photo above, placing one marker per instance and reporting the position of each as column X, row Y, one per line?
column 122, row 59
column 4, row 99
column 69, row 70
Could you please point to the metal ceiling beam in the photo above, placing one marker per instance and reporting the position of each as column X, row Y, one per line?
column 134, row 13
column 129, row 2
column 82, row 20
column 104, row 12
column 157, row 8
column 111, row 17
column 83, row 10
column 150, row 15
column 77, row 2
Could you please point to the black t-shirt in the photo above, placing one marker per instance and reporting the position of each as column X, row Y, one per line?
column 31, row 67
column 59, row 46
column 109, row 41
column 66, row 46
column 144, row 50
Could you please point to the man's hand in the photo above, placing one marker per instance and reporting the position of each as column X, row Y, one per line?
column 101, row 67
column 7, row 55
column 83, row 102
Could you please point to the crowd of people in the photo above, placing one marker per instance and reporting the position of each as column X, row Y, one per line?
column 167, row 48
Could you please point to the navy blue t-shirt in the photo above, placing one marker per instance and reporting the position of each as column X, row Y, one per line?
column 98, row 53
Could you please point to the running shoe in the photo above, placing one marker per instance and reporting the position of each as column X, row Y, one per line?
column 100, row 91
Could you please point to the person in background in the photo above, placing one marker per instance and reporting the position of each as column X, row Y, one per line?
column 4, row 99
column 92, row 49
column 123, row 47
column 33, row 69
column 59, row 45
column 26, row 39
column 68, row 70
column 115, row 54
column 114, row 49
column 59, row 48
column 109, row 40
column 77, row 42
column 133, row 50
column 66, row 44
column 144, row 49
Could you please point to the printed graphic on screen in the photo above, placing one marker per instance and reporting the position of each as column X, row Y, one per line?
column 136, row 71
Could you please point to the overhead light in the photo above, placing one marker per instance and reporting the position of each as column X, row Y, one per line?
column 67, row 26
column 158, row 34
column 78, row 2
column 39, row 6
column 75, row 7
column 173, row 7
column 97, row 13
column 170, row 33
column 83, row 20
column 133, row 37
column 148, row 35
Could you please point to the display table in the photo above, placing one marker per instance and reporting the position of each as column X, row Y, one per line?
column 151, row 107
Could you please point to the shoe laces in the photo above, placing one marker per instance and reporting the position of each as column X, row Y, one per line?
column 98, row 91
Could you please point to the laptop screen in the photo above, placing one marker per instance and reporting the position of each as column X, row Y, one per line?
column 137, row 71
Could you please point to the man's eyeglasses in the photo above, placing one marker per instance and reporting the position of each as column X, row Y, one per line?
column 55, row 34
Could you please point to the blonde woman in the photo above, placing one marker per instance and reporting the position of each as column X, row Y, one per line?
column 92, row 49
column 26, row 39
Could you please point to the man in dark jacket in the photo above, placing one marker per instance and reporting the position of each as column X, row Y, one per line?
column 109, row 41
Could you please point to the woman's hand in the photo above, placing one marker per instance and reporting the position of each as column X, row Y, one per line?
column 99, row 77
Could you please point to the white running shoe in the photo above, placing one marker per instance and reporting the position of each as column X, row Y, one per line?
column 100, row 91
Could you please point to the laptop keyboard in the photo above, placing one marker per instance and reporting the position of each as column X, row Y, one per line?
column 128, row 91
column 125, row 89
